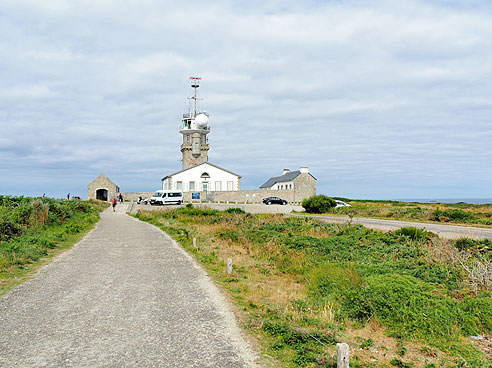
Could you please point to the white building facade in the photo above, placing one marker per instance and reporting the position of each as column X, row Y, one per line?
column 204, row 177
column 286, row 181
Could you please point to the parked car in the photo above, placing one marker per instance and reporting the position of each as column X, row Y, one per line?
column 274, row 200
column 166, row 196
column 341, row 204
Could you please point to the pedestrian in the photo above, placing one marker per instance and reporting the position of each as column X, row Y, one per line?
column 121, row 198
column 68, row 196
column 114, row 203
column 44, row 194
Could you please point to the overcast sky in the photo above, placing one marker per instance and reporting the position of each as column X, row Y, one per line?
column 380, row 99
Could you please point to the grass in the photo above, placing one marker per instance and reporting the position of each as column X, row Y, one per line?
column 302, row 286
column 457, row 213
column 33, row 230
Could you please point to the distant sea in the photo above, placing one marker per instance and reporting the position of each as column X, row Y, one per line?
column 449, row 200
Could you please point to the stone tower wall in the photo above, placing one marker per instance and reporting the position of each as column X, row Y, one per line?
column 190, row 160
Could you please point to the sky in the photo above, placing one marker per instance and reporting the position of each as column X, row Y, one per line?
column 380, row 99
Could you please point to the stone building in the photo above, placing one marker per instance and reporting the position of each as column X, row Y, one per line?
column 102, row 188
column 301, row 182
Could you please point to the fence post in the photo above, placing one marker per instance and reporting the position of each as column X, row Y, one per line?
column 194, row 242
column 342, row 355
column 229, row 266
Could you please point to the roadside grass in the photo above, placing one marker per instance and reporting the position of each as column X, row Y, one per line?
column 301, row 286
column 34, row 230
column 456, row 213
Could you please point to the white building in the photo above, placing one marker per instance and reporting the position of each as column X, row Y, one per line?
column 204, row 177
column 289, row 180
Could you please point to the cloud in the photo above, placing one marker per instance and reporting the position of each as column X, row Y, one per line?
column 379, row 99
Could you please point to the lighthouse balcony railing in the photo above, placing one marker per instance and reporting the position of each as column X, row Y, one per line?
column 191, row 115
column 187, row 127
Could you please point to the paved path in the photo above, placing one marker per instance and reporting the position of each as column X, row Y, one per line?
column 125, row 296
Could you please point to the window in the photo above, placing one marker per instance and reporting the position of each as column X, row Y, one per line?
column 205, row 175
column 187, row 137
column 218, row 186
column 192, row 185
column 230, row 185
column 205, row 186
column 179, row 185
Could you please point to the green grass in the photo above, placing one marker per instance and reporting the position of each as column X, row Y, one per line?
column 33, row 230
column 456, row 213
column 296, row 278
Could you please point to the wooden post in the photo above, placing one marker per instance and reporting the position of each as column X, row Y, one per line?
column 342, row 355
column 194, row 242
column 229, row 266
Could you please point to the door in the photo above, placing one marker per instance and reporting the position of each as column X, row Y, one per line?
column 102, row 194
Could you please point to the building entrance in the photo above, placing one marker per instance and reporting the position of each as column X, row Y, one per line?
column 102, row 194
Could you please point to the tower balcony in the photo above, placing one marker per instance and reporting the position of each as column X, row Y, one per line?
column 184, row 128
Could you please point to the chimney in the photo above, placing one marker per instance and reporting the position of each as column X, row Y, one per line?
column 285, row 171
column 304, row 170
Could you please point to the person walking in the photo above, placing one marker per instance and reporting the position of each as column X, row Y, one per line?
column 121, row 198
column 68, row 196
column 114, row 203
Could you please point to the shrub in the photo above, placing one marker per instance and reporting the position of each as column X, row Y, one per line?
column 413, row 233
column 235, row 210
column 8, row 229
column 452, row 215
column 425, row 313
column 318, row 204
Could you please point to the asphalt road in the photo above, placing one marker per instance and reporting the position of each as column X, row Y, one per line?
column 444, row 231
column 125, row 296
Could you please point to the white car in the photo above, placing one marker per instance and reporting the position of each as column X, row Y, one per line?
column 341, row 204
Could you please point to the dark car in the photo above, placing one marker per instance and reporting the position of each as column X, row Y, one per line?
column 274, row 200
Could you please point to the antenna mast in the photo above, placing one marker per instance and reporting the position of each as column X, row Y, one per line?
column 195, row 83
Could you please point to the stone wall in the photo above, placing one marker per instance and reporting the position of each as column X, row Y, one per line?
column 304, row 186
column 129, row 196
column 244, row 196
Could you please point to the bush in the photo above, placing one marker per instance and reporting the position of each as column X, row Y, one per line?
column 8, row 229
column 235, row 210
column 452, row 215
column 418, row 309
column 318, row 204
column 413, row 233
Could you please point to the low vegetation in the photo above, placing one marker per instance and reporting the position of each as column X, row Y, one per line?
column 318, row 204
column 404, row 298
column 456, row 213
column 32, row 229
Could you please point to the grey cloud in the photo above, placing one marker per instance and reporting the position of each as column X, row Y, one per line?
column 371, row 96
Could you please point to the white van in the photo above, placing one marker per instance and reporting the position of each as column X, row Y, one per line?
column 166, row 196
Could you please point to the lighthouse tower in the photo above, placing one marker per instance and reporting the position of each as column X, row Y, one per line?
column 194, row 128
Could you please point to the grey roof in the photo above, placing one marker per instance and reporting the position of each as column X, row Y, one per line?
column 291, row 175
column 191, row 167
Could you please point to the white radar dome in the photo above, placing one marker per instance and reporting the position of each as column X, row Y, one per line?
column 201, row 121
